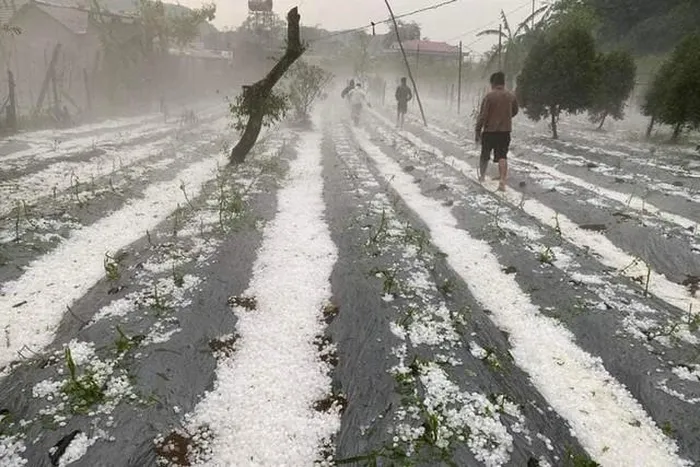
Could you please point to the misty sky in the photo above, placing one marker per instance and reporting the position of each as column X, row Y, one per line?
column 444, row 24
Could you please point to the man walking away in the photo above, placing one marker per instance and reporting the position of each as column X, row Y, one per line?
column 494, row 125
column 403, row 95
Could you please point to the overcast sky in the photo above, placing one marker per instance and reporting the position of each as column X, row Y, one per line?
column 449, row 23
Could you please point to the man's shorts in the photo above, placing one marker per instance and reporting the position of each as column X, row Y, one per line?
column 498, row 143
column 403, row 107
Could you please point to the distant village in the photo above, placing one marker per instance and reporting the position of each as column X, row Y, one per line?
column 75, row 59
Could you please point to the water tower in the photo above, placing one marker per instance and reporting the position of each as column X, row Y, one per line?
column 260, row 15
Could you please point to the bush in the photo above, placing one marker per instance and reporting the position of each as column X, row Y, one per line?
column 306, row 84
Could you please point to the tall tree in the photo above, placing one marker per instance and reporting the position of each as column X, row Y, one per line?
column 559, row 74
column 673, row 97
column 616, row 73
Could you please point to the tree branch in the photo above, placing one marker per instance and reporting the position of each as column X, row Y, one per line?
column 255, row 96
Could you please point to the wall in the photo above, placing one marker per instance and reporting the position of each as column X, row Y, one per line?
column 28, row 55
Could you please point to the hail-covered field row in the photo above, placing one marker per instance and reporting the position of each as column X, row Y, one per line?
column 348, row 296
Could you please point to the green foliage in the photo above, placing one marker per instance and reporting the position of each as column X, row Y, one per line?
column 616, row 73
column 274, row 110
column 516, row 43
column 306, row 84
column 83, row 390
column 408, row 31
column 183, row 28
column 559, row 74
column 673, row 97
column 159, row 28
column 645, row 26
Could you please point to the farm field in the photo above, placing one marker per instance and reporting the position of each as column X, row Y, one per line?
column 348, row 296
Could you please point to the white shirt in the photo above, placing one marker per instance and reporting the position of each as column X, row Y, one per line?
column 357, row 97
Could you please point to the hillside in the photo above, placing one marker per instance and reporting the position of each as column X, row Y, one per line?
column 646, row 26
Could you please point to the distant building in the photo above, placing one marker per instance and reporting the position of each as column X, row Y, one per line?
column 44, row 25
column 427, row 48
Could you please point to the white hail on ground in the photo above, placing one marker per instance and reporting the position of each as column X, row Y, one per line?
column 611, row 425
column 261, row 408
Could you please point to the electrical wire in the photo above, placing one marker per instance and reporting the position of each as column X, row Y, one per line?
column 477, row 29
column 388, row 20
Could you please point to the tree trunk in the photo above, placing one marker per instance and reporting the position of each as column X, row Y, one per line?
column 677, row 132
column 555, row 118
column 650, row 128
column 255, row 96
column 602, row 121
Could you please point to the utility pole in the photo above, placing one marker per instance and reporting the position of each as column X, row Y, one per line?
column 12, row 107
column 533, row 15
column 500, row 47
column 405, row 59
column 459, row 79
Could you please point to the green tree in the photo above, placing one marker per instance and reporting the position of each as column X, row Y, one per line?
column 673, row 97
column 408, row 31
column 616, row 73
column 307, row 84
column 183, row 28
column 559, row 74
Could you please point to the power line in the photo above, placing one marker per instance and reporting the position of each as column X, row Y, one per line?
column 388, row 20
column 472, row 31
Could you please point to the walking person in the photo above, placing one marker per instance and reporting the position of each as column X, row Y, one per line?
column 358, row 99
column 403, row 95
column 494, row 125
column 347, row 89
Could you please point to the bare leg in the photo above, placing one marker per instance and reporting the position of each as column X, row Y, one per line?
column 484, row 162
column 503, row 171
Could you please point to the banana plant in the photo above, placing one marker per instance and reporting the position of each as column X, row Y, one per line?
column 516, row 42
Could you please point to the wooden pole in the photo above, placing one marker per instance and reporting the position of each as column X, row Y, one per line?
column 47, row 79
column 88, row 94
column 405, row 59
column 459, row 80
column 500, row 47
column 12, row 108
column 54, row 87
column 533, row 15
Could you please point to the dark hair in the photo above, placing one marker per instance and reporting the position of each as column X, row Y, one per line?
column 403, row 80
column 498, row 79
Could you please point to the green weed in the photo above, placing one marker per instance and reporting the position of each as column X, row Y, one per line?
column 178, row 277
column 546, row 256
column 83, row 390
column 111, row 266
column 124, row 343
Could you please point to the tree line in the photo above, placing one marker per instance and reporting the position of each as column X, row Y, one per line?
column 567, row 71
